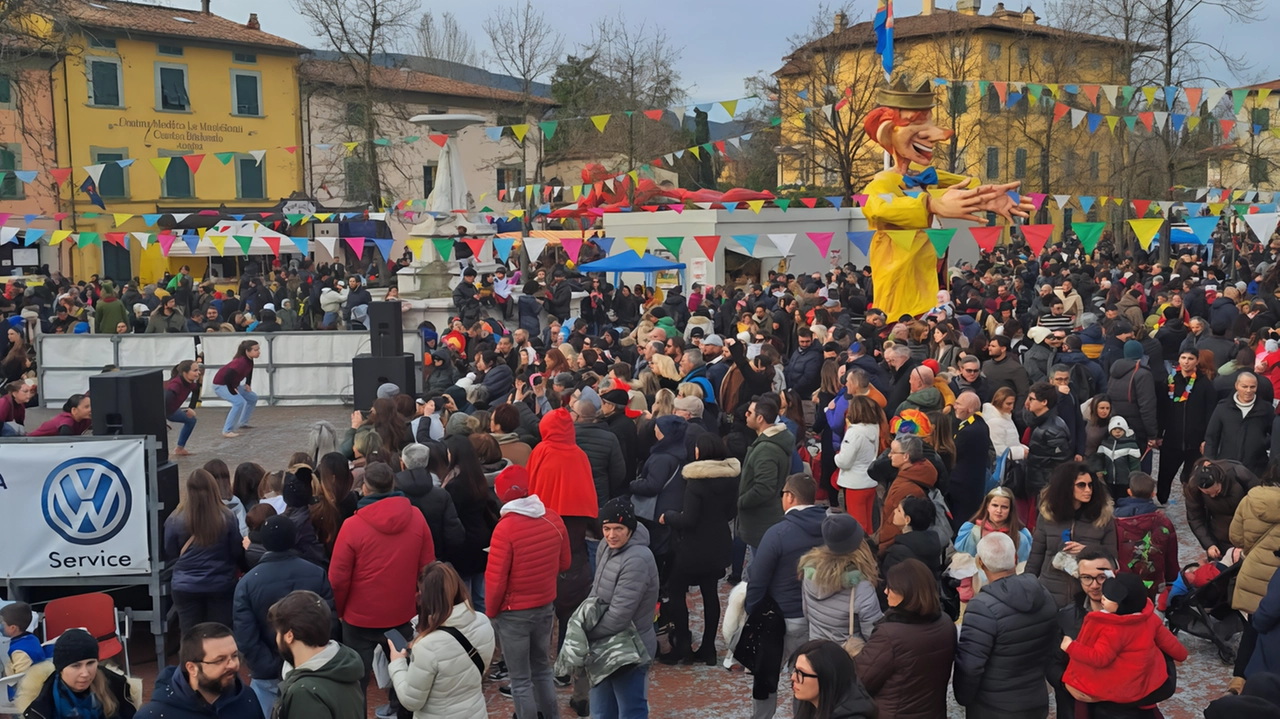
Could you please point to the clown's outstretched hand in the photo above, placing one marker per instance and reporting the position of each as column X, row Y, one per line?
column 958, row 203
column 998, row 201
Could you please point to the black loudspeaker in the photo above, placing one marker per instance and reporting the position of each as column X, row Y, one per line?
column 385, row 339
column 168, row 493
column 130, row 402
column 369, row 372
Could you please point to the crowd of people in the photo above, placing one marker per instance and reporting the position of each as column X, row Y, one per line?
column 975, row 503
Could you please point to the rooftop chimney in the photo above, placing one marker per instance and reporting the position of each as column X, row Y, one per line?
column 1029, row 16
column 253, row 22
column 842, row 22
column 204, row 7
column 926, row 7
column 968, row 7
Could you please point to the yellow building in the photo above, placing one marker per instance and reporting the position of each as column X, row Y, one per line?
column 1252, row 161
column 989, row 61
column 193, row 99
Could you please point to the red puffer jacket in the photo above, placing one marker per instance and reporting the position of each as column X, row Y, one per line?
column 379, row 552
column 529, row 548
column 559, row 472
column 1117, row 657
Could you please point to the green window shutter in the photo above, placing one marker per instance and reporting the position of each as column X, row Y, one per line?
column 106, row 83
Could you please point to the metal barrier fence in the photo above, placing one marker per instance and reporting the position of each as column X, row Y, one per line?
column 295, row 368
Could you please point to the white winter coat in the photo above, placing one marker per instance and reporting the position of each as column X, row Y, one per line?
column 332, row 300
column 857, row 450
column 443, row 682
column 1004, row 433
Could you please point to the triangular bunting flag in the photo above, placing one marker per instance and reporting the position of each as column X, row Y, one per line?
column 415, row 246
column 443, row 246
column 1192, row 94
column 572, row 247
column 748, row 242
column 1263, row 225
column 95, row 172
column 809, row 202
column 475, row 244
column 219, row 242
column 121, row 218
column 61, row 175
column 192, row 240
column 384, row 246
column 730, row 106
column 783, row 242
column 708, row 243
column 1085, row 203
column 439, row 139
column 273, row 241
column 1141, row 207
column 533, row 247
column 902, row 239
column 940, row 239
column 166, row 241
column 637, row 243
column 654, row 115
column 986, row 237
column 755, row 205
column 835, row 201
column 161, row 164
column 245, row 242
column 1203, row 227
column 821, row 240
column 502, row 247
column 549, row 128
column 1146, row 230
column 782, row 203
column 520, row 131
column 600, row 121
column 87, row 239
column 493, row 133
column 672, row 244
column 861, row 240
column 1061, row 200
column 1237, row 100
column 193, row 162
column 1036, row 236
column 32, row 236
column 356, row 244
column 258, row 155
column 224, row 157
column 302, row 244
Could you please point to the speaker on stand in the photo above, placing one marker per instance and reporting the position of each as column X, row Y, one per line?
column 130, row 402
column 385, row 337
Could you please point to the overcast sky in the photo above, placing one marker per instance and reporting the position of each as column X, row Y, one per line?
column 723, row 41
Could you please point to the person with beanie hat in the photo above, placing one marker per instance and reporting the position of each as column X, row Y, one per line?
column 109, row 311
column 280, row 571
column 298, row 500
column 1132, row 391
column 71, row 684
column 528, row 550
column 1119, row 653
column 1126, row 458
column 626, row 582
column 838, row 576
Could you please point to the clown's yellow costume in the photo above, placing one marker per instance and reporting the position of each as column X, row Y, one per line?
column 906, row 276
column 905, row 271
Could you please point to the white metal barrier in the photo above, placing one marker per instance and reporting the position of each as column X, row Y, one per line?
column 295, row 368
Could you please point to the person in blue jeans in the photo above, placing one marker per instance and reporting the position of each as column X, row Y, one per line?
column 626, row 579
column 183, row 380
column 234, row 383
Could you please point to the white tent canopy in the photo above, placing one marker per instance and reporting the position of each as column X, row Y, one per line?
column 230, row 229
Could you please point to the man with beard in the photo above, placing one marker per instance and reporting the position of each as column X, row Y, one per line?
column 321, row 676
column 280, row 571
column 206, row 683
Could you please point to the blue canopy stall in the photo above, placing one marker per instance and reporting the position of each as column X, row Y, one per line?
column 629, row 261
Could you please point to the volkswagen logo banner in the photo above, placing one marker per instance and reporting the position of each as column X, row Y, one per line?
column 73, row 509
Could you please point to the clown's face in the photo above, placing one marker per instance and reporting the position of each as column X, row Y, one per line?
column 914, row 141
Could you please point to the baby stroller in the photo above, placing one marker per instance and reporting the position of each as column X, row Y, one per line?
column 1200, row 605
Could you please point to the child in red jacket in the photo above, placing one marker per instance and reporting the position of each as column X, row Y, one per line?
column 1118, row 656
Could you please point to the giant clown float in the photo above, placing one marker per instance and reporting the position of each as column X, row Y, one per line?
column 906, row 277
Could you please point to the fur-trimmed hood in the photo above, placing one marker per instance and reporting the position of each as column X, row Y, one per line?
column 711, row 468
column 1107, row 514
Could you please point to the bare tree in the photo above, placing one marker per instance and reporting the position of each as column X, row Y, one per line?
column 526, row 46
column 27, row 51
column 443, row 38
column 361, row 32
column 827, row 91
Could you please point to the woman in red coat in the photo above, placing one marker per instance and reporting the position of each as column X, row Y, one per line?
column 1119, row 654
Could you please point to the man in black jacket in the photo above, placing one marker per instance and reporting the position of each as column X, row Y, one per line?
column 1006, row 640
column 466, row 298
column 608, row 469
column 804, row 369
column 279, row 572
column 901, row 364
column 613, row 406
column 434, row 502
column 560, row 295
column 357, row 296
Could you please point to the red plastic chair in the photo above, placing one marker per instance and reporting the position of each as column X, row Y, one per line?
column 95, row 613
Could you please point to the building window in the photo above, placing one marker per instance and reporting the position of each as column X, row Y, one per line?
column 10, row 160
column 355, row 115
column 1020, row 163
column 993, row 163
column 1261, row 117
column 993, row 100
column 510, row 178
column 429, row 178
column 1259, row 172
column 1069, row 164
column 244, row 58
column 1094, row 170
column 993, row 51
column 113, row 182
column 171, row 88
column 102, row 43
column 104, row 82
column 1067, row 214
column 6, row 92
column 959, row 99
column 1024, row 56
column 171, row 50
column 251, row 179
column 177, row 183
column 246, row 93
column 359, row 179
column 959, row 51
